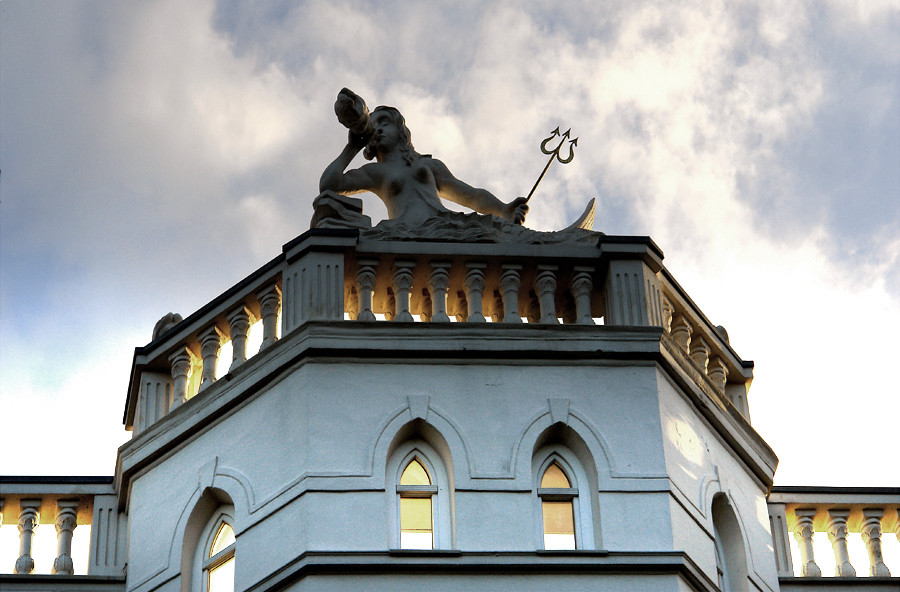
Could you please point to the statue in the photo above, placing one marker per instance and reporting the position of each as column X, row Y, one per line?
column 410, row 184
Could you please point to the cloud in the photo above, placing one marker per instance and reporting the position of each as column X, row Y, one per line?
column 155, row 154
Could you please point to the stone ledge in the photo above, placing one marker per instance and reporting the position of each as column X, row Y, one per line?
column 603, row 564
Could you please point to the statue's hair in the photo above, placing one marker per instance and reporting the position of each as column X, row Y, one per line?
column 406, row 147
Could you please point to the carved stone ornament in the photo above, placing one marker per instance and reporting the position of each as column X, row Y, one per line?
column 413, row 185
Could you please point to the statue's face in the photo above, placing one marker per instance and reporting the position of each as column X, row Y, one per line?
column 387, row 136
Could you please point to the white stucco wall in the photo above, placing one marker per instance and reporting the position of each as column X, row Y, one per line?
column 304, row 463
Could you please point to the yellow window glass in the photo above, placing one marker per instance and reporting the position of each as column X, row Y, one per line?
column 416, row 523
column 224, row 537
column 559, row 525
column 554, row 477
column 221, row 577
column 415, row 474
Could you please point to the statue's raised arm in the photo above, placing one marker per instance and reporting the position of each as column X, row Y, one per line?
column 410, row 184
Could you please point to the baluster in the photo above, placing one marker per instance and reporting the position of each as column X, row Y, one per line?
column 668, row 314
column 581, row 287
column 837, row 534
column 803, row 534
column 510, row 281
column 66, row 521
column 474, row 288
column 718, row 373
column 29, row 518
column 182, row 368
column 438, row 282
column 700, row 352
column 402, row 284
column 681, row 332
column 365, row 287
column 269, row 306
column 239, row 321
column 545, row 285
column 210, row 345
column 871, row 536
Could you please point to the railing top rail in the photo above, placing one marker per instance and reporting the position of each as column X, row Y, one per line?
column 834, row 496
column 50, row 487
column 6, row 480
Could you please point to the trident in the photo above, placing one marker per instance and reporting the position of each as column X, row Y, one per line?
column 554, row 154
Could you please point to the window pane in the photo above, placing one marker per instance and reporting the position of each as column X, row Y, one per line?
column 560, row 542
column 559, row 525
column 416, row 540
column 221, row 577
column 224, row 538
column 415, row 474
column 554, row 477
column 415, row 514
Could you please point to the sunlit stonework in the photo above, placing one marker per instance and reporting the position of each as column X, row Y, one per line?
column 447, row 400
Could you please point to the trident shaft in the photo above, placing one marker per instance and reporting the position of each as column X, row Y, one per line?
column 554, row 155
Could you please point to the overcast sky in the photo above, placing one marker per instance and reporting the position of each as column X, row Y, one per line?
column 155, row 153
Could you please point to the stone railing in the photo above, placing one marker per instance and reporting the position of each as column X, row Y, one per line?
column 859, row 526
column 83, row 509
column 706, row 346
column 334, row 275
column 185, row 359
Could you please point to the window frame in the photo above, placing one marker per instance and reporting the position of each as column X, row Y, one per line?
column 204, row 564
column 582, row 512
column 438, row 491
column 416, row 492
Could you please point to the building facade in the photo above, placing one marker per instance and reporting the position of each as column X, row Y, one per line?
column 457, row 415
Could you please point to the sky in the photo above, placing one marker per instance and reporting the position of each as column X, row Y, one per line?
column 155, row 153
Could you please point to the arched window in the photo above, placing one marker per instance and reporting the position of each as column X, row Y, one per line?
column 415, row 492
column 731, row 558
column 419, row 487
column 557, row 497
column 218, row 558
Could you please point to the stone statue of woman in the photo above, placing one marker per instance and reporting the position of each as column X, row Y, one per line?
column 410, row 184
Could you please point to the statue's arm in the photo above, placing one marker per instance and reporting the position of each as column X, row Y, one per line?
column 346, row 183
column 480, row 200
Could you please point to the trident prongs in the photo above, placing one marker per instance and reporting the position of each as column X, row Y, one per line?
column 554, row 155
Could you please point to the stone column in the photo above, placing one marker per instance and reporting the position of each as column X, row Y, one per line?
column 66, row 521
column 633, row 293
column 269, row 305
column 871, row 536
column 681, row 332
column 29, row 518
column 837, row 534
column 365, row 287
column 717, row 372
column 803, row 534
column 182, row 368
column 545, row 286
column 581, row 286
column 239, row 321
column 438, row 282
column 700, row 352
column 510, row 282
column 474, row 290
column 402, row 284
column 210, row 345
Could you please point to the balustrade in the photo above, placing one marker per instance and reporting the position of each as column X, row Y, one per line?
column 80, row 510
column 704, row 345
column 852, row 518
column 332, row 276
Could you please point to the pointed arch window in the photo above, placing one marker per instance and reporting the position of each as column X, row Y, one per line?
column 558, row 497
column 218, row 559
column 415, row 492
